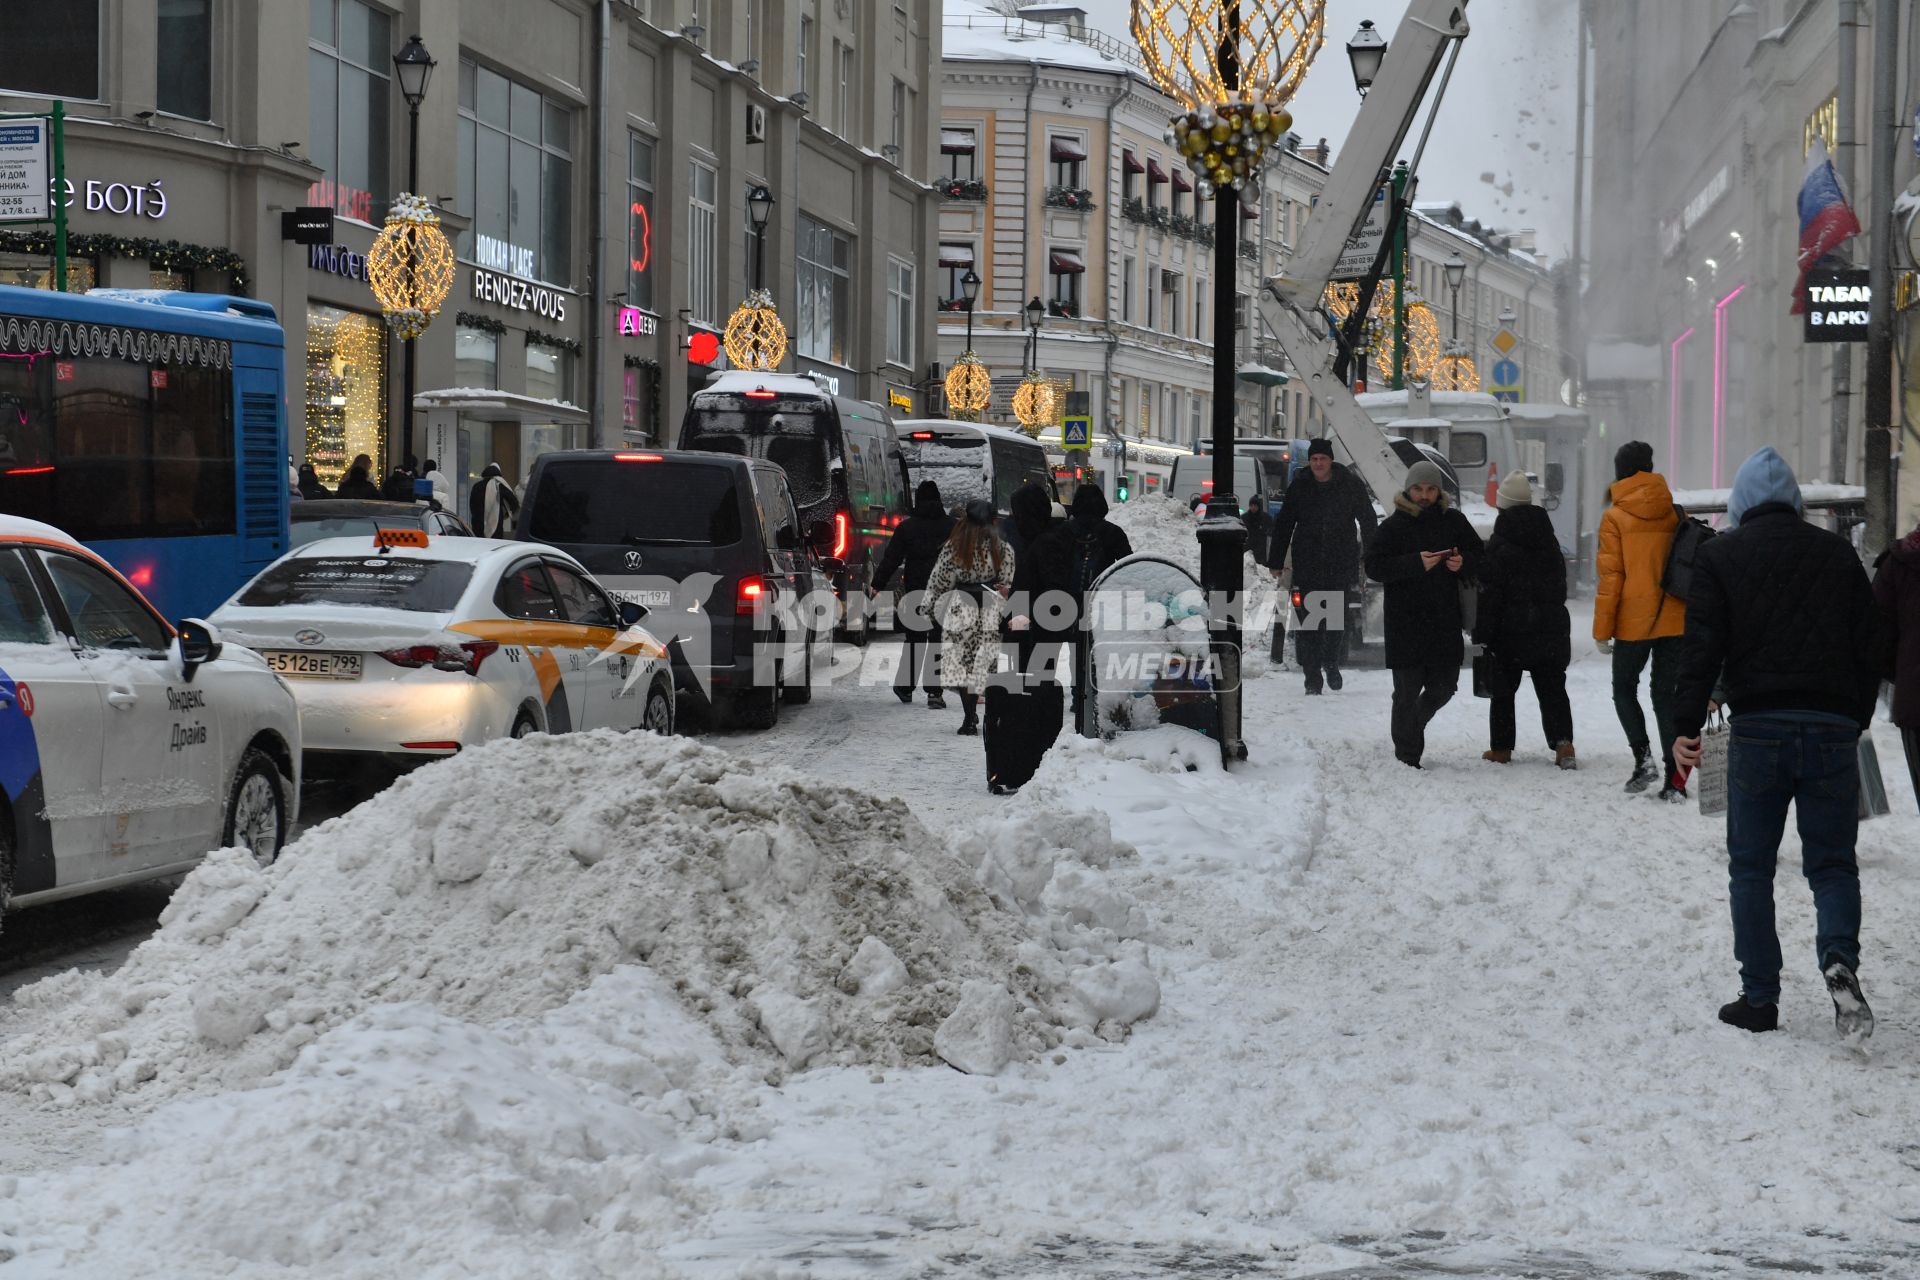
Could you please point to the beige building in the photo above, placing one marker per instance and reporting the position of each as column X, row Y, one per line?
column 591, row 161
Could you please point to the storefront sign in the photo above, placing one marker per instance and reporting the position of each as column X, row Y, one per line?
column 1698, row 207
column 899, row 400
column 521, row 295
column 147, row 201
column 348, row 202
column 1836, row 305
column 338, row 260
column 635, row 323
column 25, row 185
column 309, row 224
column 502, row 256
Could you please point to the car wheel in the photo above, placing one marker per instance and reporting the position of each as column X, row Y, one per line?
column 257, row 808
column 801, row 694
column 658, row 717
column 755, row 709
column 523, row 725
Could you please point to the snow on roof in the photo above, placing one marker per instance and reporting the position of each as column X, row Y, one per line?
column 975, row 33
column 21, row 527
column 987, row 429
column 463, row 550
column 1814, row 494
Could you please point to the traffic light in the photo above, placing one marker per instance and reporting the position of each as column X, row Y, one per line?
column 1120, row 491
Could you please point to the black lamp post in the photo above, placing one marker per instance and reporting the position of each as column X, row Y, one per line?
column 413, row 68
column 1456, row 270
column 1036, row 309
column 970, row 290
column 759, row 209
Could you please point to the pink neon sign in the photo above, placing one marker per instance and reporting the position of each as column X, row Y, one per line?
column 1673, row 403
column 1720, row 373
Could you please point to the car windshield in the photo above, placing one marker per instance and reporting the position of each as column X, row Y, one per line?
column 632, row 504
column 793, row 433
column 372, row 581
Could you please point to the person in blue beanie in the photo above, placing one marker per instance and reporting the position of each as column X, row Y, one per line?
column 1786, row 609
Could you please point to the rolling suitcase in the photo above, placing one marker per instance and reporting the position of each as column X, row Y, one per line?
column 1018, row 727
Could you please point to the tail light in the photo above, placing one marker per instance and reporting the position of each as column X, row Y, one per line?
column 467, row 657
column 750, row 594
column 842, row 531
column 636, row 457
column 920, row 435
column 1299, row 598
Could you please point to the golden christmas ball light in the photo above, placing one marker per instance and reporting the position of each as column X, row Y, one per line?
column 1033, row 402
column 755, row 338
column 1180, row 44
column 969, row 386
column 411, row 266
column 1456, row 372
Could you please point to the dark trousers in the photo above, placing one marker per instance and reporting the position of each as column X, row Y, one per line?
column 1549, row 690
column 917, row 660
column 1418, row 694
column 1815, row 768
column 1319, row 648
column 1910, row 739
column 1630, row 658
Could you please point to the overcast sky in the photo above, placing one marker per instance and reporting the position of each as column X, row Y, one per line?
column 1503, row 144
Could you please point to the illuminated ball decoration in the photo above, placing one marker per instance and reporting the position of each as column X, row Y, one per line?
column 1423, row 337
column 411, row 266
column 755, row 338
column 969, row 386
column 1456, row 372
column 1033, row 402
column 1423, row 326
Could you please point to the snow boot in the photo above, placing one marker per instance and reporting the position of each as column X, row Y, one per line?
column 1644, row 772
column 1672, row 794
column 1851, row 1017
column 970, row 715
column 1334, row 680
column 936, row 702
column 905, row 696
column 1750, row 1017
column 1497, row 757
column 1563, row 756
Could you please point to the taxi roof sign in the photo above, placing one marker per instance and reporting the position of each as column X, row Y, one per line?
column 387, row 539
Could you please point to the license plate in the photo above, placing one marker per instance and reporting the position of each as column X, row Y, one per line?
column 651, row 599
column 314, row 665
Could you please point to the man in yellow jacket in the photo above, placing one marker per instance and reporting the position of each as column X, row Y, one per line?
column 1633, row 618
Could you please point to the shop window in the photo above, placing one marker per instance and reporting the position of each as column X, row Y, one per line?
column 179, row 281
column 33, row 272
column 630, row 404
column 516, row 176
column 476, row 358
column 51, row 50
column 703, row 241
column 900, row 313
column 349, row 63
column 823, row 288
column 640, row 156
column 346, row 389
column 185, row 59
column 549, row 374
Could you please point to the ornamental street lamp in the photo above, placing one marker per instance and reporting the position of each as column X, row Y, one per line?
column 969, row 385
column 1233, row 65
column 1456, row 270
column 1035, row 311
column 755, row 338
column 412, row 68
column 970, row 290
column 1366, row 51
column 759, row 208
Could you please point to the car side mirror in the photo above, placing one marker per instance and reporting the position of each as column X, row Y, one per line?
column 199, row 644
column 632, row 613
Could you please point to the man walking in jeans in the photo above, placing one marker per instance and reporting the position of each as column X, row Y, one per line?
column 1786, row 609
column 1633, row 618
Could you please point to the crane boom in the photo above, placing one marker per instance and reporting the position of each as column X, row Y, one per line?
column 1290, row 302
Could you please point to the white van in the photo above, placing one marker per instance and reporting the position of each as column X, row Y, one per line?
column 969, row 460
column 1193, row 476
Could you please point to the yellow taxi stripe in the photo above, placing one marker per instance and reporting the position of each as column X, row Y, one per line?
column 564, row 635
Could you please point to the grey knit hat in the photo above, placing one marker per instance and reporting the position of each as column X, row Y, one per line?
column 1426, row 471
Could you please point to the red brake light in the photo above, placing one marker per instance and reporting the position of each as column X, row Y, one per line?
column 636, row 457
column 1298, row 598
column 842, row 531
column 431, row 746
column 1206, row 484
column 29, row 471
column 467, row 658
column 750, row 595
column 759, row 393
column 920, row 435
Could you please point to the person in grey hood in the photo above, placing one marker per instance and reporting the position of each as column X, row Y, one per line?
column 1785, row 608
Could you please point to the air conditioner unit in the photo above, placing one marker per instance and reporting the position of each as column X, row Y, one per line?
column 756, row 122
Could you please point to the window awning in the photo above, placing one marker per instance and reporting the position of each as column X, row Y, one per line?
column 956, row 142
column 1249, row 214
column 1067, row 150
column 1181, row 182
column 1154, row 172
column 1065, row 262
column 1131, row 163
column 956, row 255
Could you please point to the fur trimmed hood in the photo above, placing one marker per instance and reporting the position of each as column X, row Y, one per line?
column 1407, row 506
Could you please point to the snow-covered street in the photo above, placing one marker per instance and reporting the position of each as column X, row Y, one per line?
column 1455, row 1022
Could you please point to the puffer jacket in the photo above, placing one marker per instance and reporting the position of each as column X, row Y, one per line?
column 1422, row 606
column 1635, row 534
column 1896, row 590
column 1522, row 615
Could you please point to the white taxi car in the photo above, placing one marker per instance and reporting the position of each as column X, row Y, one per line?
column 407, row 646
column 128, row 749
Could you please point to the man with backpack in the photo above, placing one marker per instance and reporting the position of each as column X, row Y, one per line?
column 1083, row 546
column 1635, row 619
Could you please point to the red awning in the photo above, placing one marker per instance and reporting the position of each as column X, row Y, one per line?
column 1065, row 262
column 1180, row 180
column 1154, row 172
column 956, row 142
column 1131, row 163
column 1067, row 150
column 1249, row 214
column 956, row 255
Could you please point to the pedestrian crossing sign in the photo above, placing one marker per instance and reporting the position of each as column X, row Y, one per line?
column 1076, row 432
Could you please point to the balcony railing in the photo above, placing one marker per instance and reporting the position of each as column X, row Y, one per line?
column 972, row 190
column 1076, row 198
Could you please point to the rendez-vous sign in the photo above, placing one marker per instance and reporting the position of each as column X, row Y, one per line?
column 521, row 295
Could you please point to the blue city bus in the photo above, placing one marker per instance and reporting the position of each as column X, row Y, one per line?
column 150, row 425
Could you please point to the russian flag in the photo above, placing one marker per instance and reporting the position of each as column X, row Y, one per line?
column 1826, row 219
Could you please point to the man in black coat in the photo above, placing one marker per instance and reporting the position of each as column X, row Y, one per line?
column 1325, row 518
column 1084, row 546
column 1522, row 620
column 1422, row 553
column 1783, row 614
column 911, row 552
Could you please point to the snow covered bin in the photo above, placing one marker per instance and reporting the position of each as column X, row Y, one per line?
column 1148, row 654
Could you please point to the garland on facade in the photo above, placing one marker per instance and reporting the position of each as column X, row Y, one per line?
column 167, row 255
column 486, row 324
column 652, row 369
column 537, row 338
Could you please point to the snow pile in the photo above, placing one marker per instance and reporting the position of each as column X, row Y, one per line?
column 806, row 923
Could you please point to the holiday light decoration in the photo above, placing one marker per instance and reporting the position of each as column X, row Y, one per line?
column 1423, row 326
column 346, row 359
column 1033, row 402
column 1423, row 337
column 755, row 339
column 1456, row 372
column 969, row 387
column 411, row 266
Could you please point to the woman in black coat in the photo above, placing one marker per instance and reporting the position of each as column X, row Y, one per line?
column 911, row 553
column 1896, row 589
column 1522, row 621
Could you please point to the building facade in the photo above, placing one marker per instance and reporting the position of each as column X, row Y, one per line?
column 590, row 162
column 1699, row 150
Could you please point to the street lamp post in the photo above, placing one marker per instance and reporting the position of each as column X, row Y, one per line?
column 1035, row 311
column 413, row 68
column 759, row 208
column 970, row 290
column 1456, row 270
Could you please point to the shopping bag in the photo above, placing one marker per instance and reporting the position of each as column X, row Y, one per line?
column 1483, row 674
column 1711, row 774
column 1873, row 788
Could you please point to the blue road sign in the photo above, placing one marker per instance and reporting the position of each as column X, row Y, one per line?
column 1506, row 373
column 1507, row 395
column 1076, row 432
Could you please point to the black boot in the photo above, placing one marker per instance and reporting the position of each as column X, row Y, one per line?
column 1333, row 679
column 904, row 693
column 936, row 700
column 1851, row 1017
column 1645, row 771
column 970, row 713
column 1750, row 1017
